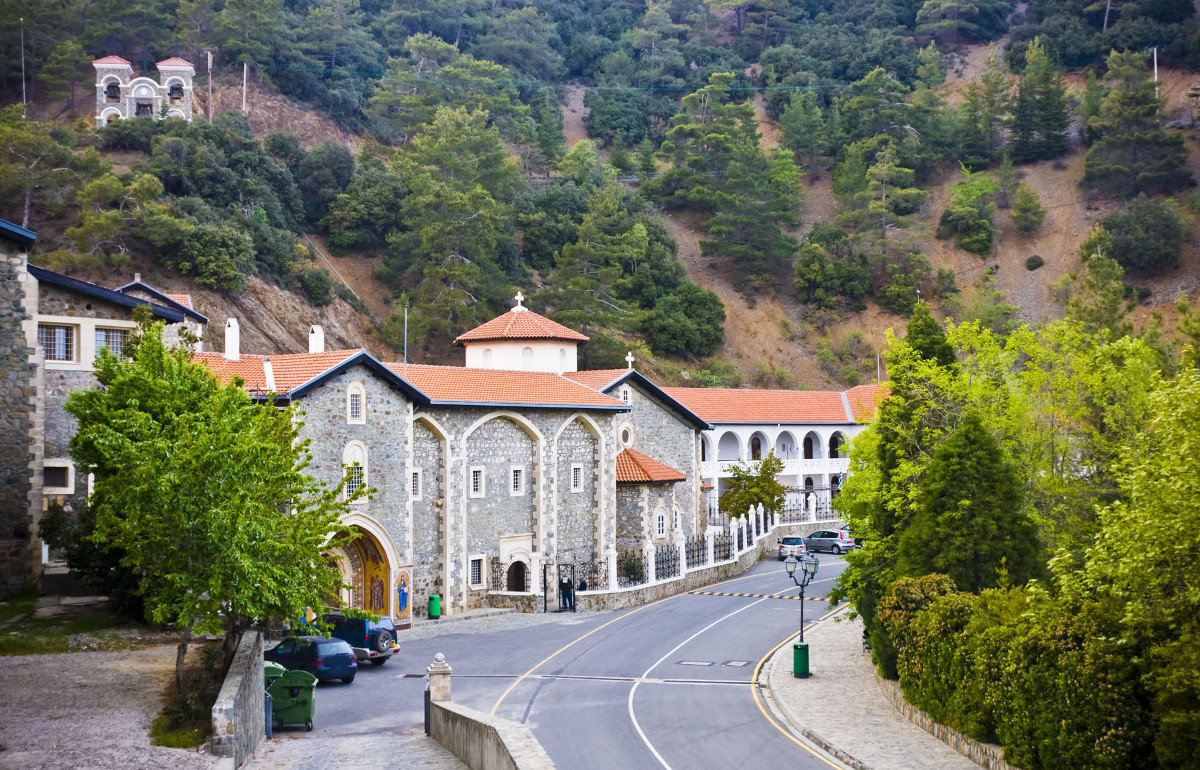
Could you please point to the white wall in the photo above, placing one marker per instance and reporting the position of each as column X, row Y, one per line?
column 544, row 356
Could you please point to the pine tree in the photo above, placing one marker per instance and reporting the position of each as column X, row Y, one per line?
column 64, row 70
column 1027, row 211
column 888, row 199
column 926, row 336
column 1041, row 115
column 803, row 126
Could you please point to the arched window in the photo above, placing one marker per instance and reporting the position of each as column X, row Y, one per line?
column 675, row 519
column 112, row 93
column 660, row 524
column 837, row 443
column 755, row 448
column 175, row 93
column 356, row 404
column 487, row 356
column 354, row 457
column 562, row 359
column 625, row 394
column 527, row 359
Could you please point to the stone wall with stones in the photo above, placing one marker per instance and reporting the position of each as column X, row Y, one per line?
column 632, row 527
column 497, row 446
column 575, row 510
column 428, row 456
column 21, row 420
column 385, row 436
column 237, row 716
column 660, row 434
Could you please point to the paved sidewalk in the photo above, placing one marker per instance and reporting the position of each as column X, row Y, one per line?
column 841, row 709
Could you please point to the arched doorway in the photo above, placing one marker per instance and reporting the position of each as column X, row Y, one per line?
column 518, row 577
column 364, row 565
column 837, row 445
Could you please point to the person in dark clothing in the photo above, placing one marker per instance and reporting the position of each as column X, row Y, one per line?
column 565, row 600
column 582, row 584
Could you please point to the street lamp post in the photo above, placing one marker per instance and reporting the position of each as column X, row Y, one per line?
column 808, row 569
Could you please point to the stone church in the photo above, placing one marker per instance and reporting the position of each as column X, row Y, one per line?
column 120, row 95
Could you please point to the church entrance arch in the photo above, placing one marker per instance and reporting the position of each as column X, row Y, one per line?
column 365, row 567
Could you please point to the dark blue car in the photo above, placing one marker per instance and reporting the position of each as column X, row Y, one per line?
column 326, row 659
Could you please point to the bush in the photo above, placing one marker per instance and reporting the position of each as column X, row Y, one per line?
column 1034, row 262
column 1147, row 235
column 318, row 286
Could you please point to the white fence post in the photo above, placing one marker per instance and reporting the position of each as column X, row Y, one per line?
column 681, row 551
column 648, row 555
column 611, row 557
column 708, row 543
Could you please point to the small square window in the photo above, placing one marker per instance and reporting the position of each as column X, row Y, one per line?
column 478, row 482
column 415, row 485
column 58, row 477
column 57, row 342
column 625, row 395
column 516, row 486
column 576, row 478
column 476, row 569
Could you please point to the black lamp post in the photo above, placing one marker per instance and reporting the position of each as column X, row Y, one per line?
column 808, row 569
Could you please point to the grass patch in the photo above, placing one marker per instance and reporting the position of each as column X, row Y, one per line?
column 186, row 719
column 76, row 629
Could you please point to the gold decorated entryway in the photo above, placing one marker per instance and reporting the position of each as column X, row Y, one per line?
column 365, row 569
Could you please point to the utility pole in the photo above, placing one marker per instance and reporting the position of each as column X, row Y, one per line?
column 1155, row 72
column 1107, row 8
column 245, row 74
column 23, row 100
column 210, row 101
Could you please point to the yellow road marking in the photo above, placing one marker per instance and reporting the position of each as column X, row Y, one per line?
column 762, row 708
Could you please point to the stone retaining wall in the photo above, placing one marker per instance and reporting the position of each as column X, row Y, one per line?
column 485, row 742
column 985, row 755
column 238, row 720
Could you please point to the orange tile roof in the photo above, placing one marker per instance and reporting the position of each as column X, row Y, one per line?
column 597, row 379
column 458, row 384
column 289, row 371
column 112, row 60
column 864, row 400
column 520, row 324
column 737, row 405
column 183, row 299
column 636, row 468
column 249, row 368
column 175, row 61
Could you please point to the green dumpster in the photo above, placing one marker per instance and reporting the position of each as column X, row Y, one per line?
column 293, row 698
column 435, row 606
column 800, row 660
column 272, row 671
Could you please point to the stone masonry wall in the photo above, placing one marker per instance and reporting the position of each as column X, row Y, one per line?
column 429, row 556
column 20, row 425
column 631, row 516
column 576, row 510
column 658, row 433
column 237, row 716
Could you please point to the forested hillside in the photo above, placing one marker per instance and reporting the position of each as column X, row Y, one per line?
column 425, row 140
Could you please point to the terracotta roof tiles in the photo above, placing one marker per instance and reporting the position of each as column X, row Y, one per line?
column 738, row 405
column 110, row 60
column 520, row 324
column 597, row 379
column 460, row 385
column 182, row 299
column 864, row 400
column 636, row 468
column 289, row 371
column 175, row 61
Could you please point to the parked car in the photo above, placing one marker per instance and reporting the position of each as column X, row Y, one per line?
column 791, row 546
column 833, row 540
column 373, row 640
column 325, row 658
column 857, row 540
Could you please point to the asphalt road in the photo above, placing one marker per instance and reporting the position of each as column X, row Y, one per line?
column 662, row 685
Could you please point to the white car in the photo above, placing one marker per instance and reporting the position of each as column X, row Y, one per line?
column 791, row 546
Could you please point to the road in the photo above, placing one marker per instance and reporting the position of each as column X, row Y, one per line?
column 666, row 684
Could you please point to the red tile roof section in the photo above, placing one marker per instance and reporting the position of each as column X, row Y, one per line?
column 112, row 60
column 183, row 299
column 738, row 405
column 597, row 379
column 289, row 371
column 864, row 400
column 175, row 61
column 636, row 468
column 249, row 368
column 498, row 386
column 520, row 324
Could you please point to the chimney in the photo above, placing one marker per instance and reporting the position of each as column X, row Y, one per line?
column 316, row 339
column 233, row 341
column 137, row 277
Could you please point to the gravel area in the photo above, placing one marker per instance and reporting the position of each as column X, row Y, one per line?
column 87, row 709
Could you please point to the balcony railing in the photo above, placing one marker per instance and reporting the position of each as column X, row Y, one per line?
column 710, row 468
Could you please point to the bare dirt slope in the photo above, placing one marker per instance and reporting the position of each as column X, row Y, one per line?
column 573, row 116
column 269, row 112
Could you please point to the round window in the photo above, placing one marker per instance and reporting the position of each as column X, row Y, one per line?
column 626, row 436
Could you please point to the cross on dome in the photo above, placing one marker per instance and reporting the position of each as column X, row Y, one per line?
column 519, row 298
column 629, row 359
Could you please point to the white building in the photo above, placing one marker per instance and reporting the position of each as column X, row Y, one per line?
column 120, row 95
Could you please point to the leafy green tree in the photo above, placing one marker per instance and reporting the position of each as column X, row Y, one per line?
column 886, row 198
column 688, row 322
column 64, row 70
column 803, row 126
column 205, row 493
column 752, row 484
column 1041, row 115
column 33, row 163
column 1147, row 235
column 1132, row 153
column 524, row 40
column 370, row 208
column 954, row 21
column 970, row 522
column 827, row 268
column 321, row 176
column 969, row 215
column 1027, row 211
column 932, row 71
column 927, row 338
column 1096, row 299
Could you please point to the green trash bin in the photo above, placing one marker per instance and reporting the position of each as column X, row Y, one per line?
column 800, row 660
column 293, row 699
column 272, row 671
column 435, row 606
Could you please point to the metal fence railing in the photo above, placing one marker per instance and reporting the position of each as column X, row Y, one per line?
column 696, row 551
column 631, row 568
column 666, row 561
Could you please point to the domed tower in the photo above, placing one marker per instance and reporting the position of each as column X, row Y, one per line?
column 523, row 341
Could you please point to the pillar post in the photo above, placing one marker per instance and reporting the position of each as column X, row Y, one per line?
column 439, row 679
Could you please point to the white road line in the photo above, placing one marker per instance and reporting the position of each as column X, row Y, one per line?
column 633, row 689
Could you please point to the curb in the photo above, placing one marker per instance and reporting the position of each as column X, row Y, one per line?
column 796, row 724
column 476, row 615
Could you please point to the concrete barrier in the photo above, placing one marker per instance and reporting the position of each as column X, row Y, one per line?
column 485, row 742
column 237, row 717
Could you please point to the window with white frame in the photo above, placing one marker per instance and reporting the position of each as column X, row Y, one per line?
column 674, row 519
column 113, row 339
column 478, row 482
column 356, row 404
column 576, row 478
column 58, row 477
column 58, row 342
column 660, row 524
column 476, row 572
column 626, row 435
column 354, row 457
column 415, row 485
column 516, row 486
column 625, row 394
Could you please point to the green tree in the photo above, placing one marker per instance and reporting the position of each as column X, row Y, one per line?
column 1133, row 153
column 688, row 322
column 803, row 127
column 886, row 198
column 1096, row 299
column 1147, row 235
column 1041, row 114
column 970, row 522
column 927, row 338
column 1027, row 211
column 321, row 176
column 34, row 165
column 205, row 492
column 969, row 215
column 752, row 484
column 64, row 70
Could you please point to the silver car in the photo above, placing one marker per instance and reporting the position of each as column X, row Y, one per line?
column 791, row 546
column 835, row 541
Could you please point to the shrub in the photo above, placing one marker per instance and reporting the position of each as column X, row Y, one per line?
column 318, row 286
column 1147, row 235
column 1034, row 262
